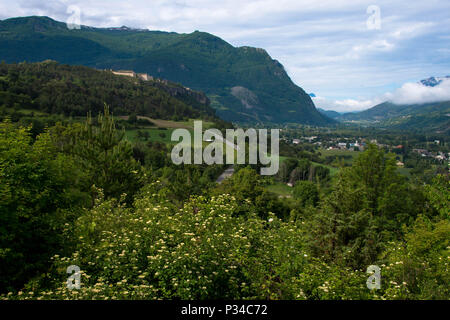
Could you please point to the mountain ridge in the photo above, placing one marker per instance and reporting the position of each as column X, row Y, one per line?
column 433, row 81
column 198, row 60
column 417, row 117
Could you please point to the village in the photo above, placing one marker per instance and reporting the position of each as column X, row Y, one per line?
column 352, row 144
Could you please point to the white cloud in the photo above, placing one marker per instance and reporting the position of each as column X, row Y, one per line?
column 345, row 105
column 376, row 45
column 417, row 93
column 412, row 30
column 408, row 93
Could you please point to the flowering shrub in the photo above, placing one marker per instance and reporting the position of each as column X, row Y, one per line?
column 157, row 251
column 207, row 249
column 418, row 268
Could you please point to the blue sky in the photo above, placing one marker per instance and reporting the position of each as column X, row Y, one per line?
column 326, row 46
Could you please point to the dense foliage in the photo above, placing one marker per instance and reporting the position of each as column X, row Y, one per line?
column 39, row 192
column 49, row 87
column 140, row 227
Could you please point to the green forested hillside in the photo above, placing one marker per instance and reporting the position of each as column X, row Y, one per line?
column 330, row 113
column 433, row 117
column 245, row 84
column 75, row 90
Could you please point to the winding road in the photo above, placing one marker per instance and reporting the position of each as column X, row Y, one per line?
column 225, row 175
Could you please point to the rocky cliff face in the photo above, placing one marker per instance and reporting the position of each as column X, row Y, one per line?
column 180, row 91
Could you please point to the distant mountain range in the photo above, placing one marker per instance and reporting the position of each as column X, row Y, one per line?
column 244, row 84
column 433, row 116
column 433, row 81
column 330, row 113
column 427, row 116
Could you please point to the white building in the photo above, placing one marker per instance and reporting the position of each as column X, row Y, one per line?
column 128, row 73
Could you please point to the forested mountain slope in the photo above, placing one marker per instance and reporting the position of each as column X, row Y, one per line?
column 76, row 90
column 418, row 117
column 245, row 84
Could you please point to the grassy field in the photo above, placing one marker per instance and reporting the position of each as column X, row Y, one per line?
column 337, row 152
column 155, row 134
column 353, row 154
column 283, row 190
column 280, row 189
column 333, row 170
column 174, row 124
column 28, row 112
column 179, row 124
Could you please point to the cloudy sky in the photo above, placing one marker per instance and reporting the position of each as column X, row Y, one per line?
column 337, row 49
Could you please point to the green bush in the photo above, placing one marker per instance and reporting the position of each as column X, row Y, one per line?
column 158, row 251
column 306, row 193
column 39, row 193
column 419, row 267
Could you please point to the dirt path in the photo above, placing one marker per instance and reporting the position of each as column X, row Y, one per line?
column 163, row 123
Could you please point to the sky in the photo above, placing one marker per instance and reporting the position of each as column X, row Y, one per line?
column 352, row 54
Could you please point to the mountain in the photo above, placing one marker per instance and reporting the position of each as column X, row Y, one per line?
column 433, row 81
column 419, row 117
column 330, row 113
column 380, row 112
column 433, row 116
column 244, row 84
column 52, row 88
